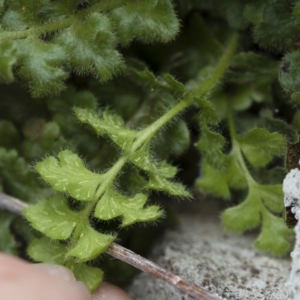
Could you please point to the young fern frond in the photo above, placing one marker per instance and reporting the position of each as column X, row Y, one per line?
column 101, row 199
column 263, row 203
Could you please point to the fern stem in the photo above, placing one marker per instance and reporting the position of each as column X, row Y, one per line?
column 86, row 212
column 104, row 5
column 218, row 72
column 196, row 93
column 109, row 180
column 236, row 149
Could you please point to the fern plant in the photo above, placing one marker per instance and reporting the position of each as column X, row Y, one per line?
column 98, row 192
column 111, row 117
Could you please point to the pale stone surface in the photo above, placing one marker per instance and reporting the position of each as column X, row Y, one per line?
column 202, row 252
column 291, row 190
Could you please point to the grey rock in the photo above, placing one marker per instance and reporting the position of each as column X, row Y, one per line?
column 201, row 251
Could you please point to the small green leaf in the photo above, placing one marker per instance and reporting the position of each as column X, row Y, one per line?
column 174, row 85
column 212, row 181
column 234, row 15
column 211, row 144
column 289, row 73
column 43, row 69
column 52, row 217
column 13, row 20
column 47, row 251
column 90, row 244
column 69, row 175
column 132, row 181
column 91, row 45
column 142, row 159
column 259, row 146
column 289, row 131
column 244, row 216
column 218, row 181
column 72, row 98
column 90, row 276
column 234, row 173
column 90, row 117
column 274, row 234
column 253, row 12
column 243, row 98
column 173, row 141
column 157, row 21
column 109, row 124
column 8, row 58
column 207, row 113
column 115, row 128
column 272, row 196
column 252, row 68
column 41, row 138
column 19, row 178
column 114, row 204
column 68, row 123
column 237, row 99
column 161, row 184
column 164, row 169
column 279, row 15
column 143, row 75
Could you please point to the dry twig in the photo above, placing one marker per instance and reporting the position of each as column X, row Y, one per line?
column 16, row 206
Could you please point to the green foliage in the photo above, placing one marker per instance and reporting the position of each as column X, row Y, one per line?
column 90, row 244
column 98, row 193
column 45, row 249
column 256, row 209
column 42, row 137
column 156, row 19
column 131, row 210
column 107, row 137
column 41, row 44
column 238, row 148
column 254, row 148
column 44, row 41
column 289, row 71
column 231, row 176
column 58, row 220
column 69, row 175
column 17, row 176
column 92, row 46
column 260, row 140
column 42, row 69
column 277, row 14
column 274, row 226
column 7, row 61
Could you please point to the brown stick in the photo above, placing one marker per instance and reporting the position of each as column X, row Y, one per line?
column 12, row 204
column 16, row 206
column 148, row 266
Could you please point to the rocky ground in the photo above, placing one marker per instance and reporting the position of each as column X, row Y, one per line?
column 203, row 252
